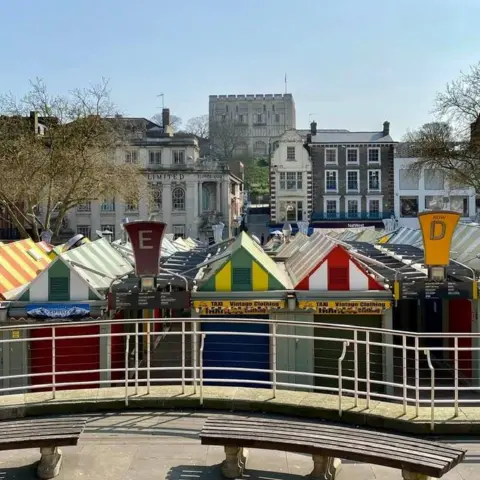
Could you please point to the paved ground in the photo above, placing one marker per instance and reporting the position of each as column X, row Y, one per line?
column 164, row 445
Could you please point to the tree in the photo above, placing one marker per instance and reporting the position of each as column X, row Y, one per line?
column 58, row 152
column 198, row 126
column 226, row 137
column 175, row 121
column 452, row 143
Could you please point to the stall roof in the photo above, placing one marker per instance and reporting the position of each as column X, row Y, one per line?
column 20, row 262
column 286, row 250
column 98, row 263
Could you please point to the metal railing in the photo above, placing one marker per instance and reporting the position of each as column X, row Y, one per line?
column 354, row 363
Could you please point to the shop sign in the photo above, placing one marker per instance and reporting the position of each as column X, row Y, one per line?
column 150, row 300
column 237, row 307
column 359, row 307
column 437, row 232
column 435, row 290
column 155, row 177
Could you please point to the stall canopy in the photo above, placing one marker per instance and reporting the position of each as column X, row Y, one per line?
column 287, row 249
column 20, row 263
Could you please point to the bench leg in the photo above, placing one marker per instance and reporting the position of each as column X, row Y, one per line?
column 50, row 463
column 406, row 475
column 325, row 468
column 235, row 462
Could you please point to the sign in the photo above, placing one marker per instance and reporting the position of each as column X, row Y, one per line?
column 237, row 307
column 155, row 177
column 146, row 239
column 360, row 307
column 150, row 300
column 419, row 290
column 15, row 333
column 211, row 176
column 437, row 232
column 342, row 224
column 46, row 311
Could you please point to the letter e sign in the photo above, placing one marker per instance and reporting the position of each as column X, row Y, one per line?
column 145, row 240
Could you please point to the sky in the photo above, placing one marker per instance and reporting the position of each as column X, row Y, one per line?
column 349, row 63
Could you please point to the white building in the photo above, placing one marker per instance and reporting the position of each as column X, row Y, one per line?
column 264, row 117
column 191, row 194
column 290, row 180
column 429, row 190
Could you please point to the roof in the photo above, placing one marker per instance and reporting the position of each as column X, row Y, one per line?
column 98, row 263
column 286, row 250
column 20, row 263
column 351, row 137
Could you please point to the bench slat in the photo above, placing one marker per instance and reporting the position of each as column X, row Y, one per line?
column 39, row 443
column 74, row 432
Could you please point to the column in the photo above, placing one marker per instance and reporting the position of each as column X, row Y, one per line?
column 195, row 209
column 190, row 206
column 388, row 352
column 218, row 197
column 199, row 197
column 167, row 205
column 475, row 343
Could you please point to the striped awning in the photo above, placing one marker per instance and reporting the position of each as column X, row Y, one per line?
column 20, row 263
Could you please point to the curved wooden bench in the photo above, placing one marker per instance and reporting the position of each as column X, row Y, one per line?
column 327, row 443
column 45, row 433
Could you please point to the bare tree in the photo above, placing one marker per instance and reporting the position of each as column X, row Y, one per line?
column 58, row 152
column 198, row 126
column 452, row 143
column 175, row 121
column 226, row 138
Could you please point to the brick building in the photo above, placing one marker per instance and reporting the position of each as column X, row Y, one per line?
column 353, row 177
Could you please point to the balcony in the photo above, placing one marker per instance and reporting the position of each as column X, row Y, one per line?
column 320, row 216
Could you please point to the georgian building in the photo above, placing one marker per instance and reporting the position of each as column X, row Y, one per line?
column 191, row 194
column 290, row 181
column 353, row 177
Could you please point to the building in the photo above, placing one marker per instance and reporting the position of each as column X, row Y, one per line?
column 352, row 174
column 290, row 181
column 426, row 190
column 263, row 117
column 190, row 193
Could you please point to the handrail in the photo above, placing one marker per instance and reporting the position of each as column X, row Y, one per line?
column 340, row 375
column 432, row 392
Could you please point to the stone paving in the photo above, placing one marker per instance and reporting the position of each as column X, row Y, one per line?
column 157, row 445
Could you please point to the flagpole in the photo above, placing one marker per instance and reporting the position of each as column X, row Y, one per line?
column 286, row 83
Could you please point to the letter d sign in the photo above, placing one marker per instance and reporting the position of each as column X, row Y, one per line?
column 437, row 231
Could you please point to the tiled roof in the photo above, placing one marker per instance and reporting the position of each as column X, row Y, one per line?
column 351, row 137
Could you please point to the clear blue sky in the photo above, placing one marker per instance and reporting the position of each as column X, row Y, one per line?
column 354, row 63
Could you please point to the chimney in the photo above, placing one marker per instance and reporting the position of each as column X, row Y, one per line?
column 34, row 121
column 386, row 128
column 313, row 128
column 165, row 117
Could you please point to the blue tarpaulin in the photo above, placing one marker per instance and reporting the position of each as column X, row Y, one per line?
column 56, row 310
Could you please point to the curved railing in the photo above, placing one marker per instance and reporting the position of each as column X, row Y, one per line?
column 362, row 363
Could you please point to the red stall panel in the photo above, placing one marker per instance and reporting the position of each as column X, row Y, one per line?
column 460, row 321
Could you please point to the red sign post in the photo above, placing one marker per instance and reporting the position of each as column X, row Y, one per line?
column 146, row 239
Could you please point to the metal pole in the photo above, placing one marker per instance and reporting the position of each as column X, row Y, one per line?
column 274, row 359
column 432, row 390
column 202, row 339
column 417, row 377
column 148, row 356
column 355, row 365
column 54, row 364
column 404, row 361
column 127, row 342
column 136, row 358
column 183, row 357
column 455, row 352
column 367, row 373
column 194, row 340
column 340, row 375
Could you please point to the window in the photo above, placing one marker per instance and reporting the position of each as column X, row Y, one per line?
column 85, row 230
column 277, row 118
column 352, row 208
column 131, row 157
column 373, row 155
column 459, row 204
column 374, row 180
column 373, row 208
column 352, row 180
column 155, row 158
column 434, row 179
column 291, row 181
column 408, row 206
column 131, row 207
column 291, row 211
column 352, row 156
column 331, row 156
column 434, row 202
column 178, row 198
column 260, row 148
column 290, row 153
column 331, row 208
column 108, row 228
column 178, row 231
column 179, row 157
column 84, row 207
column 408, row 180
column 157, row 198
column 330, row 181
column 108, row 205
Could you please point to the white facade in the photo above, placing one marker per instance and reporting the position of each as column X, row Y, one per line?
column 290, row 180
column 191, row 194
column 264, row 117
column 428, row 191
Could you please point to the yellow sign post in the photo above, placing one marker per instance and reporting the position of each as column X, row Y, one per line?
column 239, row 307
column 360, row 307
column 437, row 231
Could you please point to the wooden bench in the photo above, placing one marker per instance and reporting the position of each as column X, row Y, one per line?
column 327, row 443
column 45, row 433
